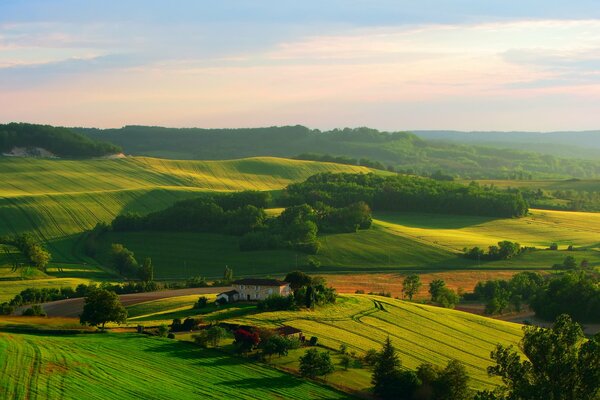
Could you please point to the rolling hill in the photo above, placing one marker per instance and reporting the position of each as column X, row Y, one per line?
column 108, row 366
column 421, row 333
column 401, row 150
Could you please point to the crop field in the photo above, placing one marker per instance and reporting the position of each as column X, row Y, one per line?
column 55, row 199
column 587, row 185
column 108, row 366
column 421, row 333
column 455, row 232
column 391, row 282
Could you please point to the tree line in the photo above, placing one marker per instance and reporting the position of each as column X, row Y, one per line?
column 576, row 293
column 62, row 142
column 242, row 214
column 34, row 252
column 405, row 193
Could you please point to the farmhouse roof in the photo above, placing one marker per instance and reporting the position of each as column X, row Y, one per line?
column 260, row 282
column 286, row 330
column 229, row 293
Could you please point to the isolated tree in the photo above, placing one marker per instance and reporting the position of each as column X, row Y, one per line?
column 215, row 334
column 314, row 363
column 102, row 306
column 560, row 364
column 435, row 288
column 146, row 271
column 276, row 344
column 411, row 285
column 297, row 280
column 228, row 274
column 570, row 262
column 385, row 371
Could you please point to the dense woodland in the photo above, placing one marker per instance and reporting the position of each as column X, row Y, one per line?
column 405, row 193
column 401, row 151
column 62, row 142
column 242, row 214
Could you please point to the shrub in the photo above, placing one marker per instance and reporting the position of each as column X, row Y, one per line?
column 35, row 310
column 201, row 303
column 171, row 336
column 276, row 302
column 553, row 246
column 313, row 341
column 163, row 330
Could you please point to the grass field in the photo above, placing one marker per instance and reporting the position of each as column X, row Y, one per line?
column 397, row 241
column 108, row 367
column 55, row 199
column 421, row 333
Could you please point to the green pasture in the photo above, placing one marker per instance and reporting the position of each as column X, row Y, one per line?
column 421, row 333
column 110, row 366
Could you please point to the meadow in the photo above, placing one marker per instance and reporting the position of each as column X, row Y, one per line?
column 101, row 366
column 420, row 333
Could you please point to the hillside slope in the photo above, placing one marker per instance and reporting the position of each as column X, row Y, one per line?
column 401, row 150
column 59, row 198
column 108, row 367
column 421, row 333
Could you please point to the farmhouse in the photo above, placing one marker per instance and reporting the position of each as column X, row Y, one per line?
column 254, row 289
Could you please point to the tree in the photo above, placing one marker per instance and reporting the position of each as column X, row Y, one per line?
column 345, row 361
column 560, row 364
column 447, row 298
column 314, row 363
column 245, row 340
column 411, row 285
column 385, row 371
column 453, row 382
column 435, row 288
column 123, row 260
column 276, row 344
column 146, row 271
column 102, row 306
column 569, row 262
column 228, row 274
column 214, row 335
column 297, row 280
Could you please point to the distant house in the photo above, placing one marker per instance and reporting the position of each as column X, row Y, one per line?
column 290, row 331
column 252, row 289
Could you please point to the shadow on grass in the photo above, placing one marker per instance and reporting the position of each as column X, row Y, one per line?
column 281, row 382
column 432, row 221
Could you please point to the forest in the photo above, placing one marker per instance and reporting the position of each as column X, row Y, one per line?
column 406, row 193
column 62, row 142
column 401, row 151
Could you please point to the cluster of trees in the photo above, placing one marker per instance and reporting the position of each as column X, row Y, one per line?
column 62, row 142
column 503, row 295
column 440, row 293
column 402, row 150
column 559, row 364
column 43, row 295
column 427, row 383
column 307, row 291
column 243, row 214
column 568, row 199
column 576, row 293
column 35, row 253
column 503, row 251
column 405, row 193
column 123, row 260
column 235, row 214
column 210, row 336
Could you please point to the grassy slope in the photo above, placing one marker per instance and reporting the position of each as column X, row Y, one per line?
column 397, row 241
column 105, row 366
column 420, row 333
column 58, row 199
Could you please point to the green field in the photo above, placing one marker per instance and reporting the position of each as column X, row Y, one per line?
column 57, row 199
column 109, row 367
column 397, row 241
column 421, row 333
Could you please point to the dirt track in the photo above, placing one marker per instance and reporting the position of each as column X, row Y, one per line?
column 73, row 307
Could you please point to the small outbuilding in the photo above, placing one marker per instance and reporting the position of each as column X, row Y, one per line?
column 254, row 289
column 228, row 297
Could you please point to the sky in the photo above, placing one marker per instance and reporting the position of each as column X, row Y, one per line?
column 393, row 65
